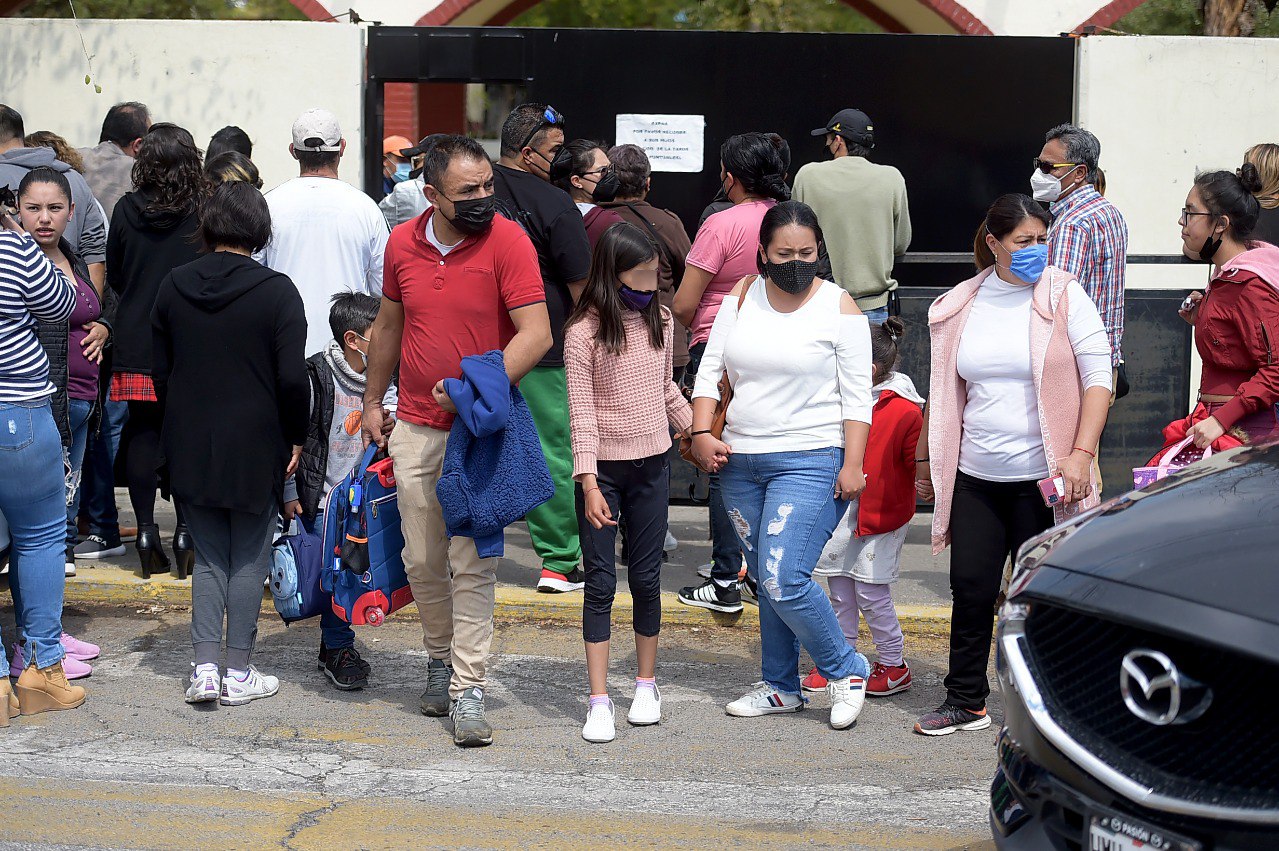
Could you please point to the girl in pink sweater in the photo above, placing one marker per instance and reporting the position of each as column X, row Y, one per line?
column 622, row 404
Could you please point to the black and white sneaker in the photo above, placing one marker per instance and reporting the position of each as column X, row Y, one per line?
column 747, row 585
column 708, row 595
column 344, row 667
column 96, row 546
column 557, row 583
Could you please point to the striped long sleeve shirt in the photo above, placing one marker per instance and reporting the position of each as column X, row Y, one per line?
column 1089, row 239
column 31, row 290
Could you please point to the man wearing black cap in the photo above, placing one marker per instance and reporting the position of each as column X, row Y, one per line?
column 862, row 210
column 408, row 200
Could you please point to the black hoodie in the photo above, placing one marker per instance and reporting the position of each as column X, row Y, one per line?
column 142, row 247
column 228, row 342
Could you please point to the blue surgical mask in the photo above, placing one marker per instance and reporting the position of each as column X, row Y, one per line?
column 1029, row 263
column 402, row 172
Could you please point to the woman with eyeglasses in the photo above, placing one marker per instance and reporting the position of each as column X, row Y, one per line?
column 592, row 182
column 1236, row 319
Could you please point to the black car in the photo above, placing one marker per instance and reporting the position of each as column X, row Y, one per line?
column 1138, row 652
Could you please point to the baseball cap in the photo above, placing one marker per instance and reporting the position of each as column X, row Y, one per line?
column 395, row 145
column 317, row 130
column 853, row 124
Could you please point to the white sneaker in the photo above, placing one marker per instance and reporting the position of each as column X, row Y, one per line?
column 646, row 708
column 847, row 696
column 705, row 570
column 206, row 684
column 671, row 544
column 600, row 726
column 256, row 685
column 764, row 700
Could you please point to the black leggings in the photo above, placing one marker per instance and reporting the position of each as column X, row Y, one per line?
column 640, row 490
column 989, row 521
column 140, row 444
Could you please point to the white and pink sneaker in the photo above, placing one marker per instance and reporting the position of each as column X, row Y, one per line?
column 81, row 651
column 71, row 666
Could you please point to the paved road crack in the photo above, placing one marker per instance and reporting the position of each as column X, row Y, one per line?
column 310, row 818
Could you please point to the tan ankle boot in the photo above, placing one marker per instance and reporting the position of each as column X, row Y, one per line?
column 8, row 702
column 45, row 689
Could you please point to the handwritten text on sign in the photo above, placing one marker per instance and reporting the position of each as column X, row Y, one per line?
column 672, row 142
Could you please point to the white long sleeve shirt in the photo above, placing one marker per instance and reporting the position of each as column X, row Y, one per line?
column 1002, row 439
column 796, row 377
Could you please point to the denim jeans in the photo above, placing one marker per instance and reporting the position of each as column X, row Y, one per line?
column 79, row 411
column 782, row 506
column 97, row 484
column 334, row 632
column 877, row 315
column 31, row 453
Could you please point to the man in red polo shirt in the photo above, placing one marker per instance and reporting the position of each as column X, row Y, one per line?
column 458, row 281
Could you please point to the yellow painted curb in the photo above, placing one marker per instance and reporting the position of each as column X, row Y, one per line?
column 110, row 586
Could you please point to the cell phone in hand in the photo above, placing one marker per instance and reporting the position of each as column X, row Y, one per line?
column 1188, row 302
column 1052, row 489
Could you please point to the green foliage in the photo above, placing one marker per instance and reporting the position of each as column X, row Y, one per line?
column 184, row 9
column 755, row 15
column 1181, row 17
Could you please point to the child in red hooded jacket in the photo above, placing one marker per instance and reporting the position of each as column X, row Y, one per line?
column 862, row 559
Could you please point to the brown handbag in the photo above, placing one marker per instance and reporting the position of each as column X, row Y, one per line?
column 725, row 396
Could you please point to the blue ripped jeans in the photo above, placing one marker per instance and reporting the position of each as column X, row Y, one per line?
column 783, row 508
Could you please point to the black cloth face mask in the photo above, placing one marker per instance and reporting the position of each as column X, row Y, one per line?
column 607, row 188
column 473, row 216
column 793, row 276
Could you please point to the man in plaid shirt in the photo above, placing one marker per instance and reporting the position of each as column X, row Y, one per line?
column 1088, row 237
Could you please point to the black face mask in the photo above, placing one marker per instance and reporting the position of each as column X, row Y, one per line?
column 559, row 167
column 607, row 188
column 793, row 276
column 1210, row 246
column 473, row 216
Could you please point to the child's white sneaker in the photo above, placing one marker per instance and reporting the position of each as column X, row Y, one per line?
column 206, row 684
column 255, row 685
column 646, row 708
column 600, row 725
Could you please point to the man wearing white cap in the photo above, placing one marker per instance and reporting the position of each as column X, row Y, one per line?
column 326, row 235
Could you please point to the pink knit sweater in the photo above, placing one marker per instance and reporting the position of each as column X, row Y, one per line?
column 1057, row 388
column 619, row 405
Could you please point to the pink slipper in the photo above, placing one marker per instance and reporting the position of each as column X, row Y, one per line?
column 81, row 651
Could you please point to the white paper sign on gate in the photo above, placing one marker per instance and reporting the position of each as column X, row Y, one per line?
column 672, row 142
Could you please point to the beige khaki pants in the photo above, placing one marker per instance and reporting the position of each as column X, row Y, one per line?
column 452, row 585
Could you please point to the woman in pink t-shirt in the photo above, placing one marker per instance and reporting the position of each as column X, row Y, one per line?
column 753, row 176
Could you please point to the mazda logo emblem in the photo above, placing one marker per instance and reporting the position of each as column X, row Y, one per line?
column 1156, row 692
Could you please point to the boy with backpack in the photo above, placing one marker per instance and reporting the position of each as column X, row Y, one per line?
column 333, row 447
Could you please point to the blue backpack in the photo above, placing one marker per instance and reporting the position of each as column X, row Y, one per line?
column 296, row 564
column 363, row 544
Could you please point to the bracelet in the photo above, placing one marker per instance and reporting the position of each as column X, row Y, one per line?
column 921, row 460
column 588, row 490
column 696, row 433
column 1092, row 455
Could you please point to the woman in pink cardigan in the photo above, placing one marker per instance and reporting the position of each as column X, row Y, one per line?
column 1019, row 391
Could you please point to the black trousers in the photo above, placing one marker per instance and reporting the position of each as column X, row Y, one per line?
column 989, row 521
column 639, row 491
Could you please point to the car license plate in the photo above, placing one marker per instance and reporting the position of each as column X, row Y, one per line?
column 1110, row 832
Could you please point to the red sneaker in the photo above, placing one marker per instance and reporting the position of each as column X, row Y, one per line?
column 885, row 680
column 813, row 682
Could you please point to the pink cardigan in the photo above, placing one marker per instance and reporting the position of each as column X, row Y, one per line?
column 1053, row 367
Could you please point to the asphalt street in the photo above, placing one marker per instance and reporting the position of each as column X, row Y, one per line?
column 138, row 768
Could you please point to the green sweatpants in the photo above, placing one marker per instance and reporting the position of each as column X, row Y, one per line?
column 553, row 524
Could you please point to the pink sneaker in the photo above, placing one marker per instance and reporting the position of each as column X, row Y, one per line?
column 72, row 667
column 81, row 651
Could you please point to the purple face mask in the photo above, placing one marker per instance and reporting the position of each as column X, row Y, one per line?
column 634, row 299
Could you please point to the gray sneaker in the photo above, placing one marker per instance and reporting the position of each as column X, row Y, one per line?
column 470, row 728
column 435, row 700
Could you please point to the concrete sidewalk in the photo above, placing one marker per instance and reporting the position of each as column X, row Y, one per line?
column 922, row 594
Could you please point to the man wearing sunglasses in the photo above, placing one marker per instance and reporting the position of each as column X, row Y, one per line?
column 533, row 156
column 1088, row 237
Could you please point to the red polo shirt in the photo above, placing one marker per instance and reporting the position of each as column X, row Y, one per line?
column 454, row 305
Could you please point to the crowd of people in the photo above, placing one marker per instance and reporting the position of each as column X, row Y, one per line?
column 164, row 321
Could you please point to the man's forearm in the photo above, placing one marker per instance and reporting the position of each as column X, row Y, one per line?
column 384, row 354
column 524, row 351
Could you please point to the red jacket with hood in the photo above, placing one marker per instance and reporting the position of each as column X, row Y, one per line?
column 888, row 502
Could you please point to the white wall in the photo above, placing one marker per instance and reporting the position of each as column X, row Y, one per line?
column 1165, row 108
column 202, row 75
column 1033, row 17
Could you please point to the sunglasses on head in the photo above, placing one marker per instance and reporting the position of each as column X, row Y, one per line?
column 550, row 118
column 1048, row 167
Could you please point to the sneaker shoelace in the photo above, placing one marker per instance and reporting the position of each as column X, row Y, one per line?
column 468, row 709
column 347, row 657
column 761, row 689
column 437, row 679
